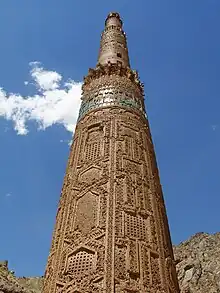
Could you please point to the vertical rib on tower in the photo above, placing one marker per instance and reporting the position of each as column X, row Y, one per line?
column 113, row 46
column 111, row 233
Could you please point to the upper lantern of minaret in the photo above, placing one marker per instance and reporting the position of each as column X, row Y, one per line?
column 113, row 47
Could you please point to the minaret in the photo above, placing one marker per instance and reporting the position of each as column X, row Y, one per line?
column 111, row 233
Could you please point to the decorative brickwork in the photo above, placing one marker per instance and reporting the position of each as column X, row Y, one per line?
column 111, row 232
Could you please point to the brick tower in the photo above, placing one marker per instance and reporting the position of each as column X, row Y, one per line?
column 111, row 232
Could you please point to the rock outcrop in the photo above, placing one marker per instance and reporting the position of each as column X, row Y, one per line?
column 10, row 284
column 197, row 263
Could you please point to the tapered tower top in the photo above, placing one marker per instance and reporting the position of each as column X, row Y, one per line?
column 113, row 65
column 113, row 46
column 113, row 18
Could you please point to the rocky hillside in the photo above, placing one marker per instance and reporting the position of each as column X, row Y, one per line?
column 197, row 262
column 10, row 284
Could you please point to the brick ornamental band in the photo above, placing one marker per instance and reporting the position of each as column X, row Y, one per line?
column 111, row 232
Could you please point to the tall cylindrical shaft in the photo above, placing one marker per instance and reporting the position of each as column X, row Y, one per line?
column 111, row 233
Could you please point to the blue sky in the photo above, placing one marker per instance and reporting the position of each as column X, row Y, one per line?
column 175, row 47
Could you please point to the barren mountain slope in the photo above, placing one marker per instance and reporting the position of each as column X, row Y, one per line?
column 198, row 264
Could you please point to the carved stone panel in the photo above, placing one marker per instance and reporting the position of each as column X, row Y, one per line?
column 91, row 145
column 135, row 227
column 80, row 263
column 155, row 271
column 120, row 261
column 119, row 227
column 90, row 175
column 86, row 213
column 145, row 266
column 134, row 269
column 153, row 235
column 131, row 142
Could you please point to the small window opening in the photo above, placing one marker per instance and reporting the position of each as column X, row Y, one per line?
column 119, row 55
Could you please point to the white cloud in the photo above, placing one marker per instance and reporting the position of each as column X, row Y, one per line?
column 44, row 79
column 56, row 102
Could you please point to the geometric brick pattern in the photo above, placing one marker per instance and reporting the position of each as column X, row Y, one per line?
column 135, row 226
column 80, row 263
